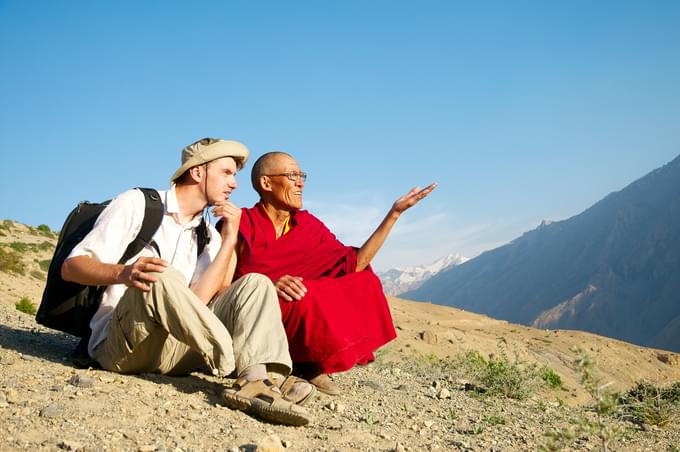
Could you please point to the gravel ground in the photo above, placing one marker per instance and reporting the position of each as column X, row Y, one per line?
column 401, row 402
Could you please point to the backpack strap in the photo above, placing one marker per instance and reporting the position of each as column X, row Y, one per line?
column 153, row 215
column 202, row 237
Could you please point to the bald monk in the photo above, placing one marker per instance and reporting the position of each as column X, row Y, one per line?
column 333, row 307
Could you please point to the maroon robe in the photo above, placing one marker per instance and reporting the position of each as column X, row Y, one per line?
column 344, row 315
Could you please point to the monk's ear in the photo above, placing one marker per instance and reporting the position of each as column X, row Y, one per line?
column 265, row 183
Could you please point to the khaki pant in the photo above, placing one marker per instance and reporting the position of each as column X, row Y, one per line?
column 170, row 331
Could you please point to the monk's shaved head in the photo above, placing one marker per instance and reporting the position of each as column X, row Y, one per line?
column 268, row 163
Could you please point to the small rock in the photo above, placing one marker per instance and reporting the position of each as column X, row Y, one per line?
column 444, row 394
column 384, row 435
column 371, row 384
column 52, row 410
column 286, row 443
column 336, row 407
column 69, row 445
column 147, row 448
column 429, row 424
column 399, row 447
column 12, row 396
column 429, row 337
column 27, row 357
column 271, row 443
column 82, row 381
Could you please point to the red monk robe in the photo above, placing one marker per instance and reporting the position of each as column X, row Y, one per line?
column 344, row 315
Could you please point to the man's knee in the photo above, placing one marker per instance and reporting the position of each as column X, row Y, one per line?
column 256, row 281
column 257, row 287
column 169, row 276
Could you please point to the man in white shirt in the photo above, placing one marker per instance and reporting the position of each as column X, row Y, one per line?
column 173, row 312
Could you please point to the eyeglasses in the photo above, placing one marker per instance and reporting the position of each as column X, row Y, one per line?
column 291, row 175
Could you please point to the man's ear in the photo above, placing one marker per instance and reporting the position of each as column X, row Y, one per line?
column 196, row 173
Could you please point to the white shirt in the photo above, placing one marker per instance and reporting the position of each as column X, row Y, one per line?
column 118, row 225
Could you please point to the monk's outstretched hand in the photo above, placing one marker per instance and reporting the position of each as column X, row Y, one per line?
column 290, row 288
column 412, row 198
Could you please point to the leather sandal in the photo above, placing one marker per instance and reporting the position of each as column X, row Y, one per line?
column 286, row 388
column 261, row 398
column 324, row 384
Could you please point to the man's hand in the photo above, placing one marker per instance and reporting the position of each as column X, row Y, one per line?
column 412, row 198
column 137, row 274
column 290, row 288
column 231, row 218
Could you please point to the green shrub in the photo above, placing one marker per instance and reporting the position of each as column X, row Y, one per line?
column 24, row 305
column 6, row 225
column 650, row 405
column 44, row 264
column 10, row 262
column 499, row 376
column 45, row 230
column 46, row 246
column 551, row 378
column 20, row 247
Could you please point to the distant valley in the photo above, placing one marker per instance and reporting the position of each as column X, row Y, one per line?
column 613, row 269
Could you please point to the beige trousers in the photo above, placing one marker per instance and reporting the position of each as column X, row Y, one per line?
column 169, row 330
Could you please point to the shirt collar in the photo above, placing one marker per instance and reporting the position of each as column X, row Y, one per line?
column 172, row 208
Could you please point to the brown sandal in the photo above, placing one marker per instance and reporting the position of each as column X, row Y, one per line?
column 265, row 400
column 286, row 388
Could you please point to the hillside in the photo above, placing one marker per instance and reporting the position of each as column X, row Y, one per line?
column 614, row 269
column 412, row 398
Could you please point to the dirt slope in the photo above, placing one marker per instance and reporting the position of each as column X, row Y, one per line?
column 403, row 401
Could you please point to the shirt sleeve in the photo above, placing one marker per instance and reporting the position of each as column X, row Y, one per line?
column 117, row 225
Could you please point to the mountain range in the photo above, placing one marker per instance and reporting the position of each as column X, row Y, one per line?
column 613, row 269
column 396, row 281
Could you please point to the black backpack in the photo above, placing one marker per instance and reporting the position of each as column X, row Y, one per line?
column 67, row 306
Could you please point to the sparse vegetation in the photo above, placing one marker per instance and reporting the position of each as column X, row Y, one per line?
column 26, row 306
column 37, row 274
column 44, row 230
column 10, row 262
column 494, row 420
column 551, row 378
column 22, row 247
column 648, row 404
column 6, row 225
column 605, row 405
column 44, row 264
column 499, row 376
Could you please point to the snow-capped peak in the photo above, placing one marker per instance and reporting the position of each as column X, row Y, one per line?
column 399, row 280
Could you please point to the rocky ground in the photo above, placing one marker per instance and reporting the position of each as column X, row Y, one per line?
column 411, row 398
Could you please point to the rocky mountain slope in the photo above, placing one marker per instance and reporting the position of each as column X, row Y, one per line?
column 413, row 397
column 396, row 281
column 613, row 269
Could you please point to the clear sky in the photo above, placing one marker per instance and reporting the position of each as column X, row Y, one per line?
column 520, row 110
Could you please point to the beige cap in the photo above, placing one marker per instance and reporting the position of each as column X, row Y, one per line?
column 209, row 149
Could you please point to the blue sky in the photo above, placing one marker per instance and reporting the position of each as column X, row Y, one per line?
column 520, row 110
